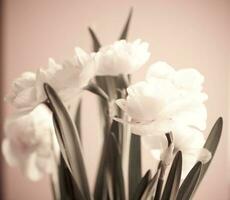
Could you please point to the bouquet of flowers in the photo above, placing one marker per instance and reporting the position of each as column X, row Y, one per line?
column 165, row 111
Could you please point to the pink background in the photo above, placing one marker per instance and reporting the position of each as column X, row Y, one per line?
column 184, row 33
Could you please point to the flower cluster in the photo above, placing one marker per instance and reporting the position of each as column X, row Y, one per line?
column 166, row 101
column 29, row 132
column 30, row 142
column 169, row 101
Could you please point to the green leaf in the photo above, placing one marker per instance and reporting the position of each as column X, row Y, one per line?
column 67, row 185
column 96, row 43
column 95, row 89
column 69, row 141
column 188, row 186
column 115, row 163
column 139, row 191
column 110, row 177
column 125, row 30
column 100, row 190
column 211, row 144
column 134, row 163
column 173, row 180
column 78, row 117
column 63, row 183
column 151, row 188
column 122, row 81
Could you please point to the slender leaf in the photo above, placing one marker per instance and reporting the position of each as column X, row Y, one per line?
column 141, row 187
column 125, row 30
column 162, row 168
column 109, row 167
column 173, row 180
column 70, row 140
column 68, row 187
column 122, row 81
column 95, row 89
column 134, row 163
column 61, row 143
column 115, row 163
column 110, row 176
column 151, row 188
column 64, row 174
column 55, row 190
column 96, row 43
column 187, row 188
column 78, row 117
column 211, row 144
column 100, row 190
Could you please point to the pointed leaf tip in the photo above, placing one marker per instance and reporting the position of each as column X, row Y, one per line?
column 188, row 186
column 69, row 141
column 95, row 40
column 174, row 177
column 125, row 30
column 211, row 144
column 142, row 185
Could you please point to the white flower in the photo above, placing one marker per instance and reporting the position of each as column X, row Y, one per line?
column 67, row 79
column 187, row 79
column 156, row 107
column 189, row 141
column 23, row 94
column 30, row 142
column 169, row 101
column 121, row 57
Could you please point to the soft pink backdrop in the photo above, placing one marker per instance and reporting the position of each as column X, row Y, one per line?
column 184, row 33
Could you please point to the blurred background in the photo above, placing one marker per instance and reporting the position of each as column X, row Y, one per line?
column 183, row 33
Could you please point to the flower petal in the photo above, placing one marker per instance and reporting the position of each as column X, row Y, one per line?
column 121, row 57
column 160, row 70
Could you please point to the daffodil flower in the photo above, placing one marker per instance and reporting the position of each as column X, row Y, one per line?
column 30, row 142
column 121, row 57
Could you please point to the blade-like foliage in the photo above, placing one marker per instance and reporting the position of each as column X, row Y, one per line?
column 188, row 186
column 110, row 176
column 211, row 144
column 115, row 163
column 134, row 163
column 97, row 91
column 141, row 187
column 100, row 190
column 151, row 188
column 125, row 30
column 67, row 185
column 96, row 43
column 78, row 118
column 173, row 180
column 69, row 141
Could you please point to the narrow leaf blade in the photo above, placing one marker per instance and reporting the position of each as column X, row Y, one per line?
column 68, row 187
column 173, row 180
column 96, row 43
column 125, row 30
column 142, row 186
column 134, row 163
column 95, row 89
column 151, row 188
column 78, row 117
column 100, row 190
column 70, row 140
column 211, row 144
column 115, row 163
column 188, row 186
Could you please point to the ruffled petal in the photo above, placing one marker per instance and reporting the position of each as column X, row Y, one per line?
column 160, row 70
